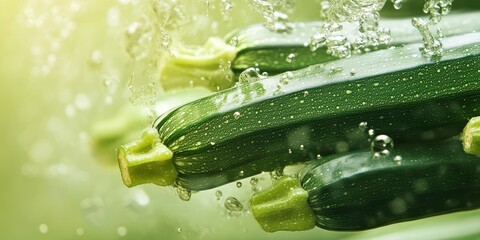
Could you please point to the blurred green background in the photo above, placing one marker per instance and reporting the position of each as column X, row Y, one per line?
column 66, row 65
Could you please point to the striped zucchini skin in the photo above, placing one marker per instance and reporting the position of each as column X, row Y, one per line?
column 359, row 192
column 273, row 122
column 267, row 50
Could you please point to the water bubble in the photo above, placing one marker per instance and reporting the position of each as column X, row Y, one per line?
column 286, row 77
column 250, row 75
column 276, row 174
column 397, row 4
column 218, row 195
column 397, row 160
column 122, row 231
column 234, row 41
column 232, row 204
column 96, row 58
column 43, row 228
column 80, row 231
column 290, row 57
column 239, row 184
column 253, row 181
column 317, row 41
column 183, row 193
column 371, row 133
column 382, row 145
column 363, row 126
column 236, row 115
column 353, row 72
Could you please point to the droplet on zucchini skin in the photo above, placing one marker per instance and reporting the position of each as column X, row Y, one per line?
column 236, row 115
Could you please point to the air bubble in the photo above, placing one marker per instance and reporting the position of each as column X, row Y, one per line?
column 183, row 193
column 234, row 41
column 382, row 145
column 121, row 231
column 232, row 204
column 236, row 115
column 218, row 195
column 397, row 160
column 290, row 58
column 250, row 75
column 43, row 228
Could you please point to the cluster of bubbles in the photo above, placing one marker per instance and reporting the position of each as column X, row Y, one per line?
column 275, row 19
column 363, row 12
column 436, row 9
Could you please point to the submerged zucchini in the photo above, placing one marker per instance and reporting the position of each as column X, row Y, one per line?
column 358, row 191
column 296, row 116
column 218, row 64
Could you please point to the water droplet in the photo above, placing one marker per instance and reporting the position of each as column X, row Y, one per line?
column 371, row 133
column 317, row 41
column 239, row 184
column 183, row 193
column 179, row 230
column 290, row 57
column 43, row 228
column 96, row 58
column 236, row 115
column 234, row 41
column 363, row 126
column 276, row 174
column 302, row 147
column 397, row 160
column 382, row 145
column 122, row 231
column 232, row 204
column 335, row 70
column 253, row 181
column 218, row 195
column 353, row 72
column 241, row 173
column 250, row 75
column 80, row 231
column 319, row 156
column 397, row 4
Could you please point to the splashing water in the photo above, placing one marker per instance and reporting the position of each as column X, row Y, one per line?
column 275, row 20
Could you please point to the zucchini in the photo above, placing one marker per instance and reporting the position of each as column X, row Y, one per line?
column 217, row 65
column 358, row 191
column 292, row 117
column 471, row 136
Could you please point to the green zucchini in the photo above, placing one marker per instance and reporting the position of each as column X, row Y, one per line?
column 358, row 191
column 217, row 65
column 471, row 136
column 292, row 117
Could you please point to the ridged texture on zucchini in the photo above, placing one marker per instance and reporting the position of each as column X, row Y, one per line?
column 358, row 191
column 295, row 116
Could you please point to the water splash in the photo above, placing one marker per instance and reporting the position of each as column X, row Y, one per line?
column 275, row 19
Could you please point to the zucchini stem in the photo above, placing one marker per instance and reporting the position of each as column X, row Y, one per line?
column 207, row 66
column 471, row 137
column 283, row 207
column 146, row 160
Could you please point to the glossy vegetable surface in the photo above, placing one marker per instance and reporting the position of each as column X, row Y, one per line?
column 296, row 116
